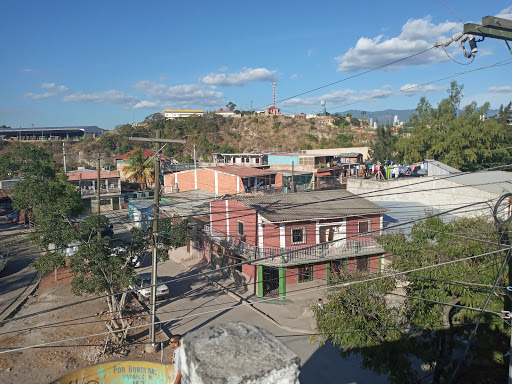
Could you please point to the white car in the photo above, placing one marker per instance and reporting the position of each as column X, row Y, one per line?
column 142, row 285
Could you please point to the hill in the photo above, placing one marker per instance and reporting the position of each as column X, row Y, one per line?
column 209, row 134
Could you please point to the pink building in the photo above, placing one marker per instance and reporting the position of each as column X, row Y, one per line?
column 294, row 238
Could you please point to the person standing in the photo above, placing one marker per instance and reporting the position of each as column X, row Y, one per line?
column 174, row 342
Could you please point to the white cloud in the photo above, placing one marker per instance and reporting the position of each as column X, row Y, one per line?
column 54, row 87
column 181, row 95
column 503, row 89
column 309, row 52
column 147, row 105
column 109, row 97
column 293, row 77
column 38, row 96
column 162, row 78
column 340, row 98
column 416, row 89
column 224, row 68
column 417, row 35
column 28, row 70
column 53, row 90
column 506, row 13
column 241, row 78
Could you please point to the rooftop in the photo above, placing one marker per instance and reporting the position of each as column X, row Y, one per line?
column 241, row 171
column 315, row 205
column 91, row 175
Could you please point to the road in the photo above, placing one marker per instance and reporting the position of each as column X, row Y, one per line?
column 17, row 276
column 195, row 303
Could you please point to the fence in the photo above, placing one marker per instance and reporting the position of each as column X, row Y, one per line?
column 296, row 254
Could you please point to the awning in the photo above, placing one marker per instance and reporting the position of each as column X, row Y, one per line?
column 324, row 174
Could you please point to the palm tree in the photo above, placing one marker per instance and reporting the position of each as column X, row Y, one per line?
column 138, row 169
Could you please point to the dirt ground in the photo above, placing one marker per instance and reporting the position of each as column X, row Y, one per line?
column 45, row 363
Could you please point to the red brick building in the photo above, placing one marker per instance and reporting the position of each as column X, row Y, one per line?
column 294, row 238
column 223, row 180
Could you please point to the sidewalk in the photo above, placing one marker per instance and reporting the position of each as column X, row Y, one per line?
column 292, row 314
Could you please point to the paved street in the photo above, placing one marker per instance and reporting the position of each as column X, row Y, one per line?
column 201, row 304
column 16, row 276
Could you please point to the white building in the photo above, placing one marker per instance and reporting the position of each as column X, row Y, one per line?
column 396, row 121
column 178, row 114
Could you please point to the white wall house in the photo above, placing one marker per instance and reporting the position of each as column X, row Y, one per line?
column 177, row 114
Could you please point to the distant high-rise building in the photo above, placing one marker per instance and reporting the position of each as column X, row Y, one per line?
column 396, row 121
column 375, row 125
column 370, row 121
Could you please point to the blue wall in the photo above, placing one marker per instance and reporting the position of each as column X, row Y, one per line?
column 283, row 160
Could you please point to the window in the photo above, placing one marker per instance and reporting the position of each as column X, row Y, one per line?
column 240, row 228
column 364, row 227
column 298, row 235
column 305, row 273
column 362, row 263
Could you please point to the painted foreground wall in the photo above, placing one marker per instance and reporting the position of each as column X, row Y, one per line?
column 121, row 372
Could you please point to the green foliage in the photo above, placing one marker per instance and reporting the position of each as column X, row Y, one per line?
column 383, row 146
column 462, row 141
column 139, row 170
column 355, row 122
column 393, row 339
column 276, row 126
column 26, row 160
column 230, row 106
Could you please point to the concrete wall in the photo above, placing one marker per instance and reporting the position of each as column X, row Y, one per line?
column 436, row 193
column 336, row 151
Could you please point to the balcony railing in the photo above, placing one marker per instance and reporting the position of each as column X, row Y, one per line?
column 298, row 253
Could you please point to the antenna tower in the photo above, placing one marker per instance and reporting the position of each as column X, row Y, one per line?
column 274, row 86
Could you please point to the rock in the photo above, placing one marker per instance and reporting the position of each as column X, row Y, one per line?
column 237, row 353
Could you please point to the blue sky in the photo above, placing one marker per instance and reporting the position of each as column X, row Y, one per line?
column 112, row 62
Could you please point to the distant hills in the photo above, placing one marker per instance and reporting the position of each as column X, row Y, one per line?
column 383, row 117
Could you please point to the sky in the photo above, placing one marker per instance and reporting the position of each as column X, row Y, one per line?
column 106, row 63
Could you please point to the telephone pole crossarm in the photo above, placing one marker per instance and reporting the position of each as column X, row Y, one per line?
column 492, row 27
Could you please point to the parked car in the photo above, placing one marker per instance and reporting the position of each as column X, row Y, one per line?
column 142, row 286
column 14, row 217
column 135, row 260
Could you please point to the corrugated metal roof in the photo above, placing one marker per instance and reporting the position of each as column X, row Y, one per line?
column 91, row 175
column 444, row 167
column 308, row 206
column 241, row 171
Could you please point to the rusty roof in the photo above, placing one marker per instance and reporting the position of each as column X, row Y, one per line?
column 241, row 171
column 91, row 175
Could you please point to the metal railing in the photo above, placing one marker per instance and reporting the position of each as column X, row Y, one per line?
column 297, row 253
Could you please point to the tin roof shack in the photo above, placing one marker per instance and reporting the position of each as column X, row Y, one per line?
column 222, row 180
column 85, row 181
column 295, row 238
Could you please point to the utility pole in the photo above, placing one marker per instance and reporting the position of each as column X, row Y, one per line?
column 492, row 27
column 98, row 187
column 64, row 156
column 153, row 346
column 293, row 177
column 195, row 168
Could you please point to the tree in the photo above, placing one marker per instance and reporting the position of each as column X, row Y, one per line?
column 392, row 338
column 139, row 169
column 230, row 106
column 158, row 116
column 383, row 146
column 25, row 160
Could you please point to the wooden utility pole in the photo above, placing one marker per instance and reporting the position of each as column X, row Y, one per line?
column 98, row 187
column 153, row 346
